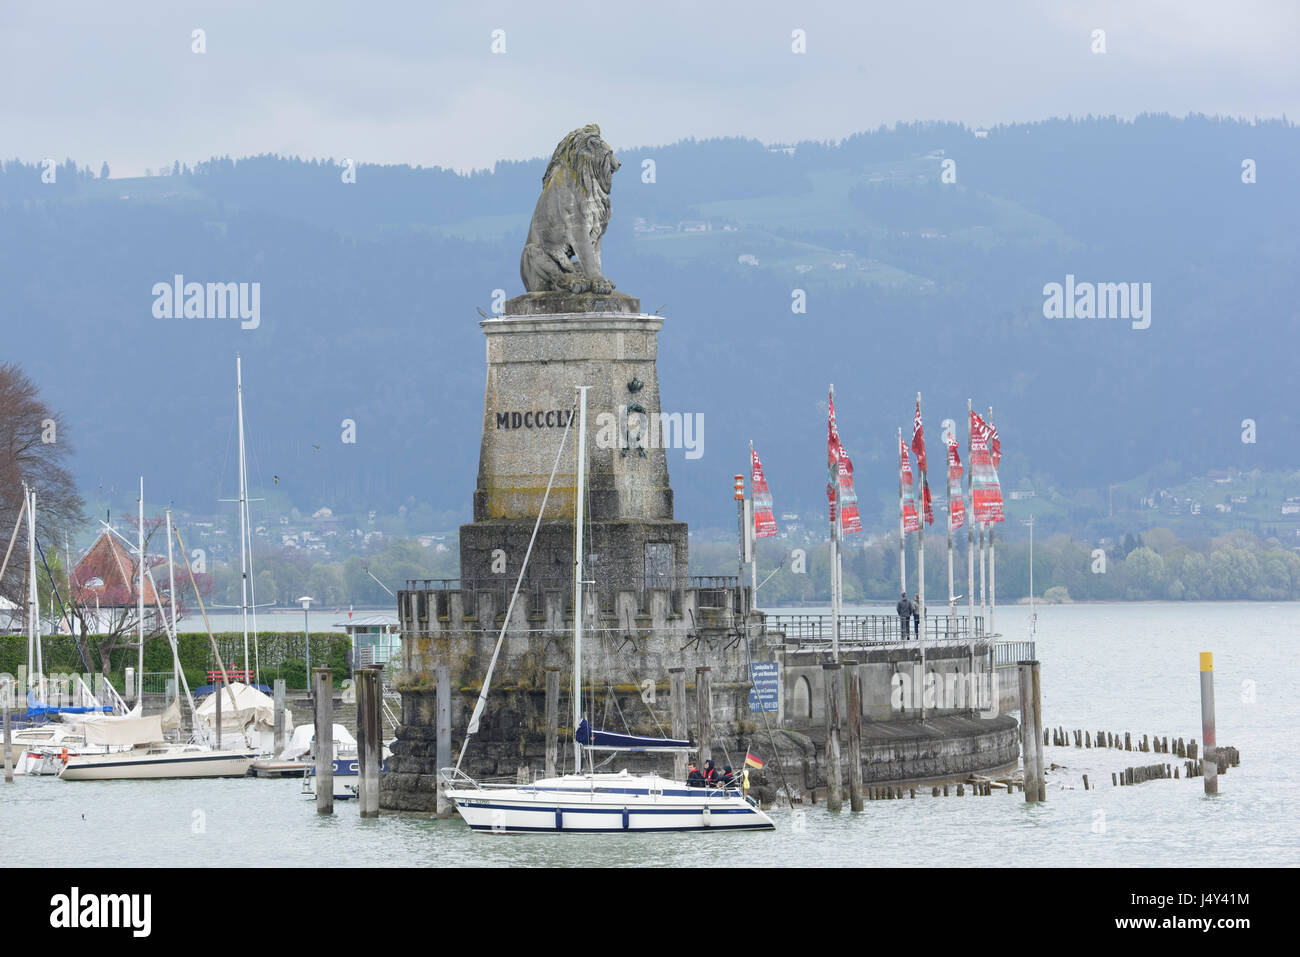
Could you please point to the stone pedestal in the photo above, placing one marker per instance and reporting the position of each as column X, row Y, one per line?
column 544, row 346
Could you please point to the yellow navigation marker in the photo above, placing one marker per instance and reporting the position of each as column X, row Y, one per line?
column 1207, row 661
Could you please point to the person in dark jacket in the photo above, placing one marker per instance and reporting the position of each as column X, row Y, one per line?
column 728, row 778
column 916, row 614
column 694, row 779
column 904, row 614
column 710, row 774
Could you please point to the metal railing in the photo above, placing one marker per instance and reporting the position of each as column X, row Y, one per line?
column 874, row 629
column 1009, row 652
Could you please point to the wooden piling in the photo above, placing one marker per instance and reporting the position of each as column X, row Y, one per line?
column 1085, row 782
column 1087, row 739
column 853, row 705
column 444, row 807
column 832, row 682
column 961, row 790
column 278, row 697
column 8, row 740
column 553, row 725
column 1209, row 760
column 369, row 754
column 704, row 712
column 1029, row 737
column 323, row 694
column 220, row 687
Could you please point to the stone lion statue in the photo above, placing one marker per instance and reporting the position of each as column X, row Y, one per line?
column 562, row 253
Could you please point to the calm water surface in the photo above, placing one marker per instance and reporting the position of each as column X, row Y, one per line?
column 1119, row 667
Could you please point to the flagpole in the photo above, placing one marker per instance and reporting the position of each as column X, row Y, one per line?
column 902, row 534
column 753, row 519
column 992, row 556
column 970, row 549
column 835, row 553
column 952, row 601
column 920, row 568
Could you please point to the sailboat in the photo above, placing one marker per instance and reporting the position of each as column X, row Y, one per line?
column 587, row 801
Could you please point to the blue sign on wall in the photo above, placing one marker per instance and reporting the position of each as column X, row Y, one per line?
column 764, row 695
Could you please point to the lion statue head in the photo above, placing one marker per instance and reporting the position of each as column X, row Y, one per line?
column 562, row 252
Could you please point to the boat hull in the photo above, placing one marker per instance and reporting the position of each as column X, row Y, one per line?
column 605, row 804
column 181, row 764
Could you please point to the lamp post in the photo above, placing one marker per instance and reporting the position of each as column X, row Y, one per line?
column 306, row 601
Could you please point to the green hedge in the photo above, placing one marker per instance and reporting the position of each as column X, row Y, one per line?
column 280, row 654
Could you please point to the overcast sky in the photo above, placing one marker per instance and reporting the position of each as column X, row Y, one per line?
column 417, row 82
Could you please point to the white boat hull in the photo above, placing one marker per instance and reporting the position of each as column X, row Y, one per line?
column 155, row 764
column 600, row 803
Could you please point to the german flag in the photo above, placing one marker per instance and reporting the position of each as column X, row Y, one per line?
column 752, row 761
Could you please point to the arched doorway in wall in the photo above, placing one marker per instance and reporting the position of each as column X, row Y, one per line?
column 801, row 703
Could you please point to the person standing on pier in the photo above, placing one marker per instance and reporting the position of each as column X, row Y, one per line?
column 904, row 614
column 916, row 614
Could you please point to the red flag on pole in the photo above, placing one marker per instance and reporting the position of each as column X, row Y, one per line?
column 764, row 520
column 918, row 439
column 840, row 470
column 995, row 446
column 986, row 492
column 956, row 504
column 910, row 521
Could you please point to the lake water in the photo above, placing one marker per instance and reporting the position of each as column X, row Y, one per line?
column 1130, row 667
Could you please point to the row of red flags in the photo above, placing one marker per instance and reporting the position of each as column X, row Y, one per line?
column 986, row 492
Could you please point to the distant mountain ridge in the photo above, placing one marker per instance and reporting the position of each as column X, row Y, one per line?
column 368, row 293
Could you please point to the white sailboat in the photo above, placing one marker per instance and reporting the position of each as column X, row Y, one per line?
column 149, row 756
column 587, row 801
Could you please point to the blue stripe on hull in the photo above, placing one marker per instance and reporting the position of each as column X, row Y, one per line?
column 544, row 809
column 631, row 830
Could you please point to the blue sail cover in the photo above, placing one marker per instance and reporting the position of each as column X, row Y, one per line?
column 37, row 710
column 608, row 740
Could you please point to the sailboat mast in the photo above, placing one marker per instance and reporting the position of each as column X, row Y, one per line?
column 33, row 603
column 171, row 593
column 139, row 594
column 578, row 502
column 243, row 509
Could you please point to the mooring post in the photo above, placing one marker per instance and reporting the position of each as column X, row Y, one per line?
column 8, row 733
column 323, row 692
column 831, row 681
column 704, row 709
column 442, row 751
column 1030, row 739
column 1209, row 757
column 278, row 694
column 221, row 686
column 552, row 720
column 677, row 712
column 368, row 744
column 1039, row 766
column 853, row 707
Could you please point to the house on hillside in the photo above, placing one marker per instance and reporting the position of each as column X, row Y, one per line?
column 104, row 585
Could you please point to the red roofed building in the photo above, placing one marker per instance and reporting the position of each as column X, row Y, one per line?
column 106, row 577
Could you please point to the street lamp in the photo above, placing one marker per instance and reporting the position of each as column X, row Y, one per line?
column 306, row 601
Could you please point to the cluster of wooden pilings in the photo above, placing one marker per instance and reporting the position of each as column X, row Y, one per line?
column 1153, row 744
column 982, row 787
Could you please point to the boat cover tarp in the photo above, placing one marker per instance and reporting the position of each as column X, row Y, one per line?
column 626, row 742
column 251, row 708
column 125, row 731
column 303, row 736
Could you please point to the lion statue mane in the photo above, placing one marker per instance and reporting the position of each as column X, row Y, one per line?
column 562, row 253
